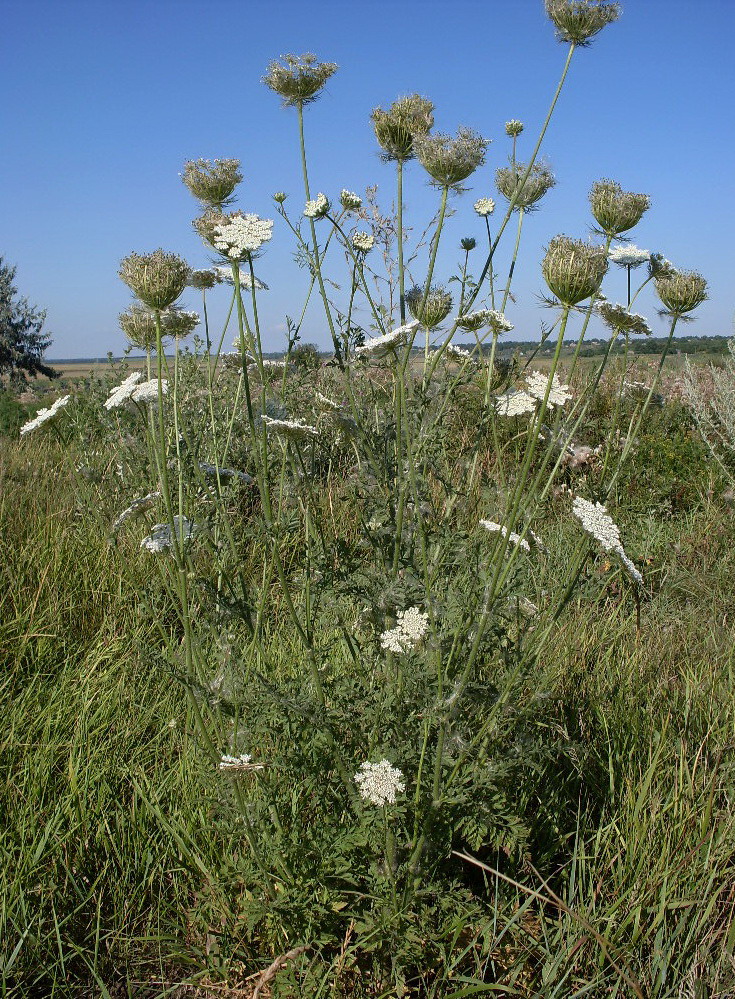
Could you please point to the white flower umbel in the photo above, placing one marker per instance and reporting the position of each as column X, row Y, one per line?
column 224, row 275
column 411, row 628
column 123, row 391
column 363, row 242
column 516, row 403
column 514, row 538
column 459, row 353
column 242, row 235
column 148, row 391
column 293, row 430
column 484, row 206
column 379, row 783
column 317, row 208
column 238, row 764
column 160, row 539
column 44, row 415
column 537, row 383
column 597, row 522
column 388, row 342
column 349, row 200
column 224, row 473
column 138, row 506
column 629, row 256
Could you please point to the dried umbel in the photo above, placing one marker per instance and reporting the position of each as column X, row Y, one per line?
column 659, row 266
column 203, row 280
column 157, row 278
column 524, row 194
column 573, row 269
column 139, row 325
column 620, row 320
column 474, row 321
column 577, row 21
column 298, row 79
column 432, row 308
column 681, row 292
column 447, row 160
column 212, row 182
column 616, row 210
column 396, row 128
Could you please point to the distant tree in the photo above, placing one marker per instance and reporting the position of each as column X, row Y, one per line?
column 22, row 344
column 306, row 356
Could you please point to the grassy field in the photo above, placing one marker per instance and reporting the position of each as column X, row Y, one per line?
column 126, row 871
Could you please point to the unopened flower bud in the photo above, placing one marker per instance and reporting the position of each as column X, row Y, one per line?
column 157, row 278
column 447, row 160
column 573, row 269
column 513, row 128
column 396, row 128
column 212, row 183
column 681, row 291
column 468, row 243
column 615, row 210
column 298, row 79
column 280, row 197
column 430, row 308
column 577, row 21
column 524, row 194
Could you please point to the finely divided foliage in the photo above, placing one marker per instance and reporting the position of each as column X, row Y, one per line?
column 360, row 657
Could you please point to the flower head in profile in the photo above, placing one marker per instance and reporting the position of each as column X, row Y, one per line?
column 241, row 234
column 298, row 79
column 616, row 210
column 629, row 256
column 212, row 182
column 44, row 415
column 474, row 321
column 620, row 320
column 136, row 508
column 350, row 201
column 484, row 207
column 468, row 243
column 363, row 242
column 524, row 193
column 317, row 208
column 141, row 328
column 238, row 764
column 578, row 21
column 293, row 430
column 515, row 403
column 681, row 292
column 430, row 307
column 513, row 128
column 148, row 392
column 538, row 385
column 123, row 391
column 449, row 160
column 598, row 523
column 405, row 120
column 203, row 280
column 573, row 269
column 157, row 278
column 388, row 343
column 226, row 276
column 162, row 538
column 379, row 783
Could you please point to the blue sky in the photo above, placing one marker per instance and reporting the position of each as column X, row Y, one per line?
column 104, row 101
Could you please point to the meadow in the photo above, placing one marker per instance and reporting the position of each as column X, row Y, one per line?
column 404, row 670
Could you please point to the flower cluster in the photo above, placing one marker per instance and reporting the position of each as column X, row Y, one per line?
column 379, row 346
column 484, row 207
column 629, row 256
column 411, row 628
column 524, row 193
column 44, row 415
column 238, row 764
column 162, row 537
column 148, row 391
column 473, row 321
column 681, row 291
column 538, row 385
column 448, row 160
column 620, row 320
column 203, row 279
column 597, row 522
column 317, row 208
column 137, row 507
column 515, row 539
column 577, row 21
column 226, row 276
column 212, row 183
column 573, row 269
column 242, row 234
column 363, row 242
column 429, row 306
column 157, row 278
column 616, row 210
column 515, row 403
column 123, row 391
column 513, row 128
column 298, row 79
column 224, row 473
column 293, row 430
column 404, row 121
column 379, row 783
column 349, row 200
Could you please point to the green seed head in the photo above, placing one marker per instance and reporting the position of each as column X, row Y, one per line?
column 157, row 278
column 577, row 21
column 447, row 160
column 681, row 291
column 434, row 310
column 139, row 325
column 620, row 320
column 510, row 183
column 298, row 79
column 203, row 279
column 396, row 128
column 212, row 183
column 616, row 210
column 573, row 269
